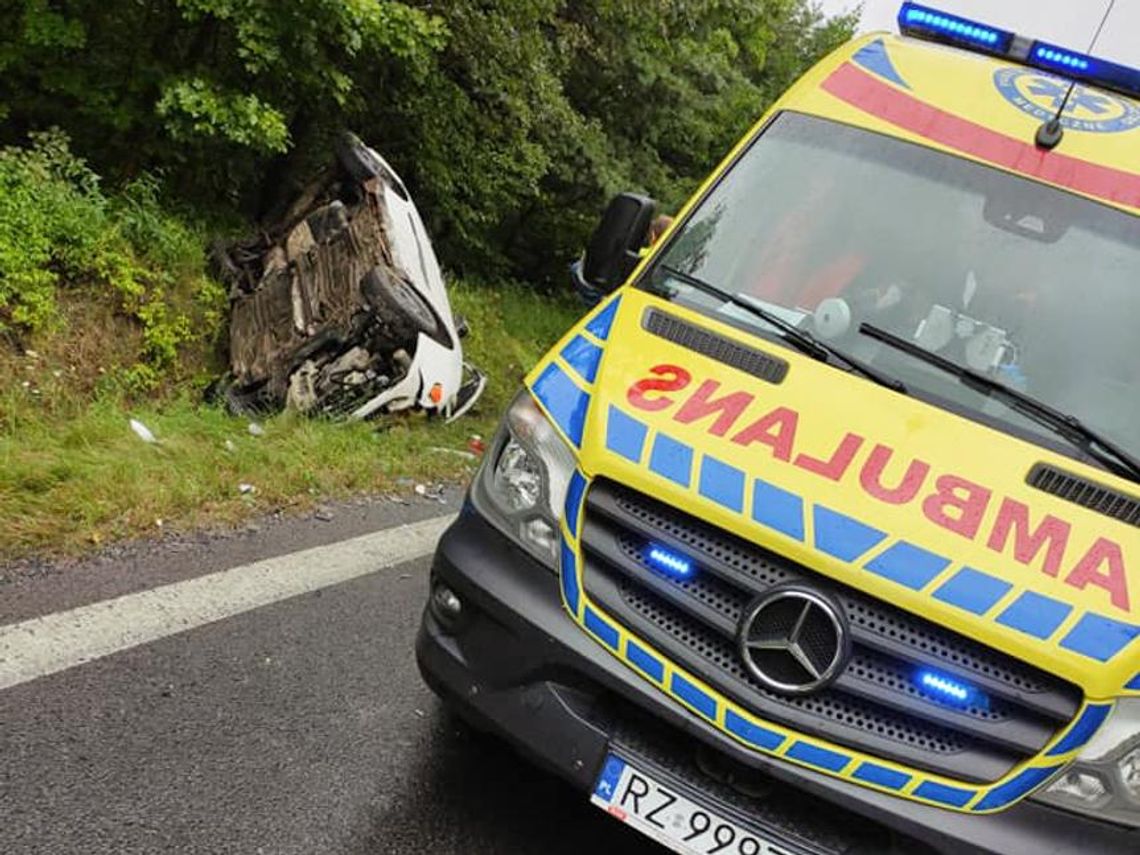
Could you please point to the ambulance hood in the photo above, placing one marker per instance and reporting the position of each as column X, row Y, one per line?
column 883, row 492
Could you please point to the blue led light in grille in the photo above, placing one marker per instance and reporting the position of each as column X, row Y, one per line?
column 668, row 562
column 948, row 690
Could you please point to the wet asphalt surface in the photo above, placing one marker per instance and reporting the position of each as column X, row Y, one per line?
column 299, row 727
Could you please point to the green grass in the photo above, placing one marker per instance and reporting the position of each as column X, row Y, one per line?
column 76, row 476
column 107, row 314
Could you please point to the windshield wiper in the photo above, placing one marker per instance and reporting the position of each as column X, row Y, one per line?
column 800, row 339
column 1064, row 425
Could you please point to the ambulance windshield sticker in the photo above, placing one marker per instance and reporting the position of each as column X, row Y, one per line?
column 1040, row 95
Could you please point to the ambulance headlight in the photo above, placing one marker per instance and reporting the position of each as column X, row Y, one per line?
column 1104, row 781
column 525, row 477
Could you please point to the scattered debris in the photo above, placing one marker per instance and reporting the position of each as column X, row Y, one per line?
column 256, row 430
column 31, row 354
column 230, row 446
column 142, row 431
column 476, row 445
column 434, row 493
column 324, row 514
column 454, row 452
column 246, row 489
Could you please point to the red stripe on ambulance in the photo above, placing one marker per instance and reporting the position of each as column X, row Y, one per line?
column 904, row 111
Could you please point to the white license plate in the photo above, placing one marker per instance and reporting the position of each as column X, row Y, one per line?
column 662, row 813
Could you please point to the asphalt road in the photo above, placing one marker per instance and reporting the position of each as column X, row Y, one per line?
column 300, row 726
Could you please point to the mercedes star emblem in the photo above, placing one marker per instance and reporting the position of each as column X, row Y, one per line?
column 794, row 640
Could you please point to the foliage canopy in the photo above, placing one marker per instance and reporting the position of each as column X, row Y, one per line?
column 512, row 121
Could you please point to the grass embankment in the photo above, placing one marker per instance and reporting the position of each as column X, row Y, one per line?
column 107, row 315
column 72, row 476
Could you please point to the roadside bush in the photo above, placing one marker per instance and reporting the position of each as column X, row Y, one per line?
column 60, row 234
column 52, row 226
column 535, row 112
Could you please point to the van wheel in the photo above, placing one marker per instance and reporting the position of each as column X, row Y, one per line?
column 354, row 156
column 361, row 165
column 252, row 400
column 399, row 306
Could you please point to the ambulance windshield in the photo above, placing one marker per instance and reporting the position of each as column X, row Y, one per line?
column 831, row 226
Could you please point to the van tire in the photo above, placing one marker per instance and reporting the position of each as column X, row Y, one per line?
column 356, row 160
column 399, row 306
column 361, row 165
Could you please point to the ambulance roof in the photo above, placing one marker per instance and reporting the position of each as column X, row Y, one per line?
column 981, row 107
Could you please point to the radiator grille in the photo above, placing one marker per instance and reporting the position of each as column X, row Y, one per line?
column 876, row 705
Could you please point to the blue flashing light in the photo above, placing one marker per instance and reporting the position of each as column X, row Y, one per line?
column 922, row 20
column 1063, row 60
column 1048, row 56
column 935, row 25
column 948, row 690
column 1080, row 66
column 669, row 563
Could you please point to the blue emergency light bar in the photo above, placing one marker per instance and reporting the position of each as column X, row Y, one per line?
column 941, row 26
column 934, row 25
column 1060, row 58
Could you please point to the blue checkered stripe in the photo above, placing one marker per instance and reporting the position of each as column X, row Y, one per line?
column 773, row 740
column 571, row 526
column 564, row 385
column 852, row 541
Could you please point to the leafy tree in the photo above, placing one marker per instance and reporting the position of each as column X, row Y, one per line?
column 537, row 111
column 208, row 90
column 513, row 121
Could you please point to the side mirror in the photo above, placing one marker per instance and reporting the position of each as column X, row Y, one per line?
column 614, row 249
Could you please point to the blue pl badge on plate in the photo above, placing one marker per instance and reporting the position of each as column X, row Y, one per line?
column 608, row 780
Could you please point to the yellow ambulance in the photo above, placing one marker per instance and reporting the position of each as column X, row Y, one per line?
column 821, row 533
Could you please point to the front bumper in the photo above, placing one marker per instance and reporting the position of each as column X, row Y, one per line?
column 516, row 665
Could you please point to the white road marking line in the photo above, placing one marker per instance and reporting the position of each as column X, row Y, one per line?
column 55, row 642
